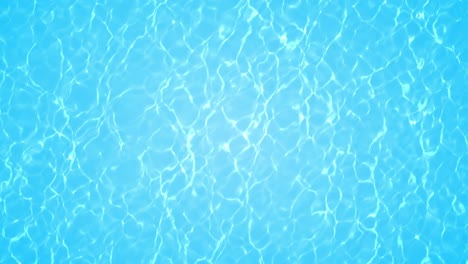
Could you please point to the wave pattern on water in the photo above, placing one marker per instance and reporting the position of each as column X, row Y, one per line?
column 240, row 132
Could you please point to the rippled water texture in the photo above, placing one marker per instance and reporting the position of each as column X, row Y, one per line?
column 234, row 131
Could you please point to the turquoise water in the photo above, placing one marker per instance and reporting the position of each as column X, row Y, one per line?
column 233, row 131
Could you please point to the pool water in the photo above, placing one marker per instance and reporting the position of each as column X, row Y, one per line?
column 234, row 131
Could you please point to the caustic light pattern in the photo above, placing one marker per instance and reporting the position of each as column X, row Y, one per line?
column 234, row 131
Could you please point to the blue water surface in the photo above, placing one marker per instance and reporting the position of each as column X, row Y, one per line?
column 234, row 131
